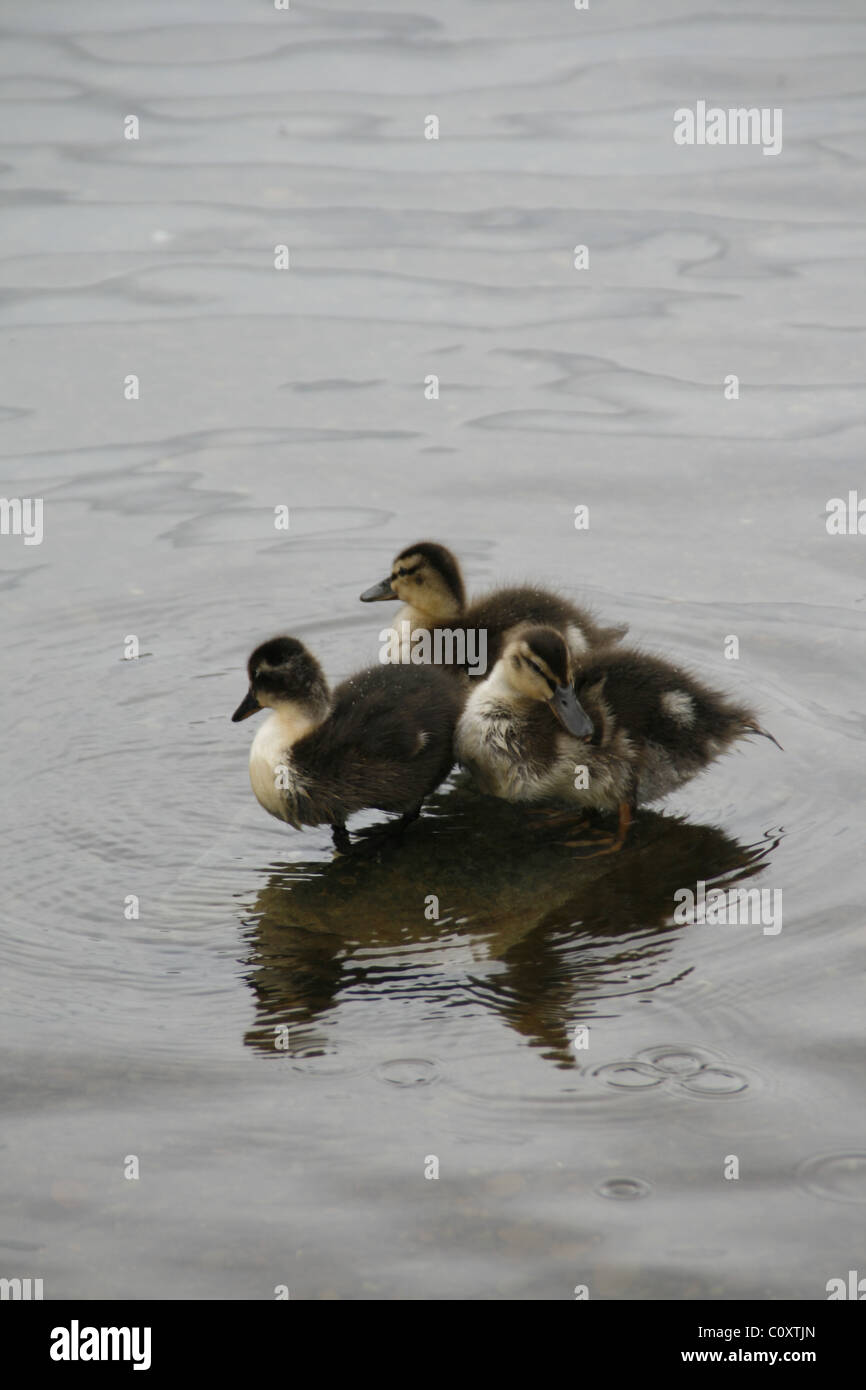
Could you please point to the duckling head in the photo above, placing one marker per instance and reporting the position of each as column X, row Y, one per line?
column 426, row 578
column 536, row 666
column 285, row 677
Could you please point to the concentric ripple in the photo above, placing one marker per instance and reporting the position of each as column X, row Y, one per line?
column 408, row 1071
column 695, row 1070
column 840, row 1177
column 624, row 1189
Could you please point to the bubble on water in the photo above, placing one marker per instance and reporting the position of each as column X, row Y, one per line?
column 677, row 1060
column 697, row 1252
column 629, row 1076
column 715, row 1081
column 624, row 1189
column 324, row 1061
column 841, row 1177
column 408, row 1071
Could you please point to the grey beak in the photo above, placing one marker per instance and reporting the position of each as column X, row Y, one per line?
column 378, row 591
column 570, row 713
column 248, row 705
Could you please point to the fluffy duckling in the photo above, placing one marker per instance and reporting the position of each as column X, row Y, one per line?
column 626, row 729
column 382, row 739
column 427, row 579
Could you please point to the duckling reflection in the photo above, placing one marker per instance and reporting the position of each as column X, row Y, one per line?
column 540, row 939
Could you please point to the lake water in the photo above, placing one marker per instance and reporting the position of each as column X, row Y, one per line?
column 560, row 1164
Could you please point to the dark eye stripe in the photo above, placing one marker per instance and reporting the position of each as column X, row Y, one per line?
column 543, row 674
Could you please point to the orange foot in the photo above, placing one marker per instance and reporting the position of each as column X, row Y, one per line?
column 606, row 842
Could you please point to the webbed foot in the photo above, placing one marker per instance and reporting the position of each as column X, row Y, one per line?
column 606, row 842
column 556, row 818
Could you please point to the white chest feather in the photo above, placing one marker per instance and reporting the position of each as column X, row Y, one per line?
column 272, row 776
column 408, row 621
column 488, row 744
column 491, row 741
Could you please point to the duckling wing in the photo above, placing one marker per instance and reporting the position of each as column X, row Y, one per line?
column 387, row 743
column 393, row 714
column 657, row 702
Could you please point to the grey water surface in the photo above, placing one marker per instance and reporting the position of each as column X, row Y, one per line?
column 565, row 1158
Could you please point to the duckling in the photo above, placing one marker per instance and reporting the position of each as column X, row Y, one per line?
column 382, row 739
column 428, row 579
column 625, row 729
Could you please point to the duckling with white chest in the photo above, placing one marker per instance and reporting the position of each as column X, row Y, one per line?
column 382, row 739
column 620, row 729
column 428, row 580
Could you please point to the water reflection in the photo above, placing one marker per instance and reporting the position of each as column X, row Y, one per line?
column 481, row 904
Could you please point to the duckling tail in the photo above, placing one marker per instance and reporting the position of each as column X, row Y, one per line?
column 754, row 728
column 609, row 636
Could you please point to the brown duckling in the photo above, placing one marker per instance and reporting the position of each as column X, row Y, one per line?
column 382, row 739
column 616, row 730
column 428, row 580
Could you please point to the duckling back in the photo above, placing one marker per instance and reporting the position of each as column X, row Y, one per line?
column 387, row 743
column 500, row 612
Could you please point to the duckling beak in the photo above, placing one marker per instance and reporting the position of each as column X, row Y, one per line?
column 248, row 705
column 378, row 592
column 570, row 713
